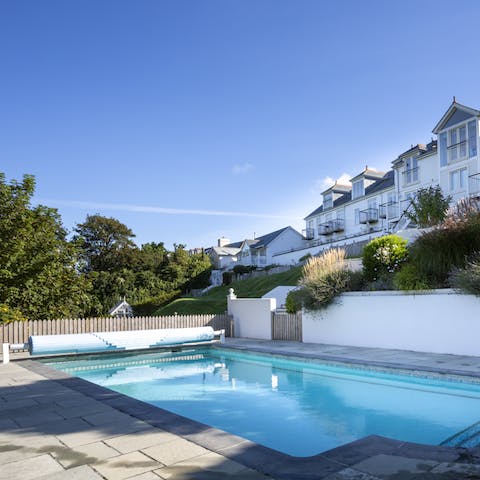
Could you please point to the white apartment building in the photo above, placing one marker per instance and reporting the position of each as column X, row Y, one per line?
column 373, row 203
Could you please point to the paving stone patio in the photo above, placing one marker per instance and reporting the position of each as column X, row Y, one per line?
column 53, row 426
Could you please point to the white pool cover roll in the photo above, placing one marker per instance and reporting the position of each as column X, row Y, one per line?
column 106, row 341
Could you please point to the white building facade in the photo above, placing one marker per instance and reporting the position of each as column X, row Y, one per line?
column 373, row 203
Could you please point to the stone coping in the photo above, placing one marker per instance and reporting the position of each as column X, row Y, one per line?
column 250, row 454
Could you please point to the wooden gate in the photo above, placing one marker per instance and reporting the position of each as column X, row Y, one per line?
column 287, row 326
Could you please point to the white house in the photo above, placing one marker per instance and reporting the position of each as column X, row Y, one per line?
column 373, row 203
column 258, row 252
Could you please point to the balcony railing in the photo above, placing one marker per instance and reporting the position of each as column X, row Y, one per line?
column 410, row 175
column 337, row 225
column 308, row 233
column 474, row 185
column 457, row 151
column 369, row 215
column 325, row 228
column 388, row 210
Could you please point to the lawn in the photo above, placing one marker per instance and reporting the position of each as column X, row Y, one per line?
column 215, row 301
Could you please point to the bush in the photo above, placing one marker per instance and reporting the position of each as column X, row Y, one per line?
column 325, row 277
column 356, row 281
column 468, row 279
column 429, row 207
column 305, row 257
column 448, row 247
column 9, row 314
column 241, row 269
column 149, row 306
column 297, row 299
column 383, row 256
column 227, row 278
column 409, row 278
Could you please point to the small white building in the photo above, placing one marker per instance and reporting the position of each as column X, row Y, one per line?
column 121, row 309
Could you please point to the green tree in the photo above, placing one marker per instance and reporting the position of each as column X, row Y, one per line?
column 106, row 244
column 37, row 264
column 428, row 207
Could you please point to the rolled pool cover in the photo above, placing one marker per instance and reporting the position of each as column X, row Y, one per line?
column 111, row 341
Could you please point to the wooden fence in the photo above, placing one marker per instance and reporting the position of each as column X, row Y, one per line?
column 287, row 326
column 18, row 332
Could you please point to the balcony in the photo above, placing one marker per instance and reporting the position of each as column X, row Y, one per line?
column 369, row 215
column 325, row 228
column 308, row 233
column 337, row 225
column 388, row 210
column 474, row 185
column 410, row 176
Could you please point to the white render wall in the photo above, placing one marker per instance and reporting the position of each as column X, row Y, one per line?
column 438, row 321
column 252, row 316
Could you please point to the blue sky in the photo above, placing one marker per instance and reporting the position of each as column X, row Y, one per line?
column 191, row 120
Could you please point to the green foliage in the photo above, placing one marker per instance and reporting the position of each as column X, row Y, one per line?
column 467, row 279
column 146, row 307
column 409, row 278
column 356, row 281
column 428, row 207
column 437, row 252
column 383, row 256
column 38, row 273
column 227, row 278
column 325, row 277
column 9, row 314
column 105, row 243
column 241, row 269
column 298, row 299
column 215, row 300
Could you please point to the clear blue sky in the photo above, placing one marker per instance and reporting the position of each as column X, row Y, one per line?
column 189, row 120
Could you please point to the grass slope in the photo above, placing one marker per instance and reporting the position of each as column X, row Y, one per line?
column 215, row 301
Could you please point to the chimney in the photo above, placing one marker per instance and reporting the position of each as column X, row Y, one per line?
column 223, row 241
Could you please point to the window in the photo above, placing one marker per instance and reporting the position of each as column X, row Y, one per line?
column 411, row 171
column 458, row 143
column 357, row 189
column 458, row 180
column 372, row 203
column 357, row 216
column 328, row 201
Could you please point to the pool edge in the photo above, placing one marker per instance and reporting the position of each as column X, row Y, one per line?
column 246, row 452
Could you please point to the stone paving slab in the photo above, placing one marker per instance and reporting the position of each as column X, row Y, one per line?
column 91, row 432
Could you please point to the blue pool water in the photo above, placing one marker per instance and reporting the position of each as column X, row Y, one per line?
column 297, row 408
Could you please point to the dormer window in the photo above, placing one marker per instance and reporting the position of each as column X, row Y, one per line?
column 410, row 174
column 328, row 201
column 458, row 143
column 357, row 189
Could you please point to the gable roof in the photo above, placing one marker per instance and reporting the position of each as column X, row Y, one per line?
column 456, row 113
column 264, row 240
column 337, row 188
column 387, row 181
column 369, row 173
column 226, row 251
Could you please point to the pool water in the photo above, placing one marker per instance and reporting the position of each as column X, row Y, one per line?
column 298, row 408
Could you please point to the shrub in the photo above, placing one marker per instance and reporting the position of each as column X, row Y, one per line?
column 468, row 279
column 448, row 247
column 383, row 256
column 356, row 281
column 227, row 278
column 9, row 314
column 297, row 299
column 149, row 306
column 325, row 277
column 409, row 278
column 305, row 257
column 428, row 207
column 241, row 269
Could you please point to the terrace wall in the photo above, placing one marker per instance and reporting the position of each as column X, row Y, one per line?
column 438, row 321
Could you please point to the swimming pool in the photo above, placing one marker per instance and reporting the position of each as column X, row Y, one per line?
column 294, row 407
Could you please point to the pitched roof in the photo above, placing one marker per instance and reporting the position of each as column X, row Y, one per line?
column 452, row 110
column 268, row 238
column 369, row 173
column 226, row 250
column 387, row 181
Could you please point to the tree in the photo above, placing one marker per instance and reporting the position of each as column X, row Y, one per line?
column 106, row 244
column 37, row 264
column 428, row 207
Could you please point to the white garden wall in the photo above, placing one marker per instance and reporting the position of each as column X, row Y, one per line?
column 439, row 321
column 252, row 316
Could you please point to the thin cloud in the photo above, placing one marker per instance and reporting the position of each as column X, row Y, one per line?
column 157, row 210
column 242, row 168
column 323, row 183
